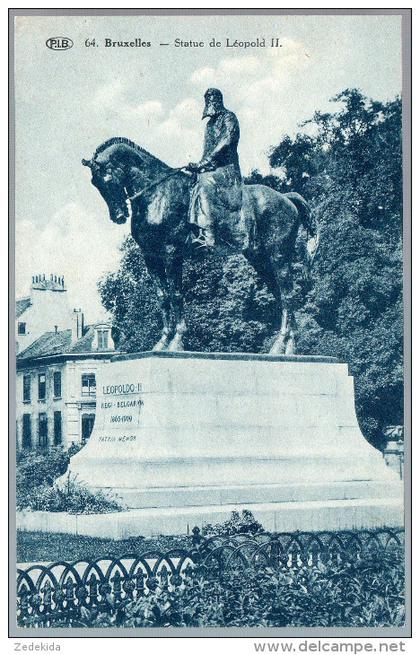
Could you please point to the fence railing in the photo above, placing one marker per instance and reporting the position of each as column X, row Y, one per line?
column 59, row 591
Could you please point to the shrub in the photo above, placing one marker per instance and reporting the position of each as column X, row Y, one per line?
column 73, row 497
column 36, row 474
column 74, row 448
column 244, row 523
column 40, row 467
column 366, row 593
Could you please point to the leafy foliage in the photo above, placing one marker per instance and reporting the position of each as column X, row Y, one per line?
column 350, row 170
column 360, row 593
column 73, row 498
column 348, row 165
column 38, row 468
column 351, row 173
column 36, row 473
column 244, row 523
column 228, row 308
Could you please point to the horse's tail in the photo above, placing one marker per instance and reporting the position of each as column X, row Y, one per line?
column 304, row 212
column 308, row 222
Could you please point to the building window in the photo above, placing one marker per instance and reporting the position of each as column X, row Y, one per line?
column 42, row 386
column 26, row 388
column 21, row 328
column 103, row 339
column 87, row 426
column 42, row 430
column 88, row 384
column 26, row 431
column 57, row 429
column 57, row 384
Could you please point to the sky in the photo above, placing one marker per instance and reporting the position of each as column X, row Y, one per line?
column 68, row 102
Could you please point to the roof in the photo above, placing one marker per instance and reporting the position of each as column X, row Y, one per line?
column 49, row 343
column 60, row 343
column 22, row 305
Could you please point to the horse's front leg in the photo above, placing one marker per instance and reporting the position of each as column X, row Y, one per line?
column 156, row 269
column 173, row 265
column 285, row 342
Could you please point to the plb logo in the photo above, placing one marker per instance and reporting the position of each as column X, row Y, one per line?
column 59, row 43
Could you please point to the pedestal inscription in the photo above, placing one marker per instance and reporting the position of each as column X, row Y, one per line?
column 119, row 412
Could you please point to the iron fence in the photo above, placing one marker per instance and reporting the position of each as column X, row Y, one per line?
column 58, row 591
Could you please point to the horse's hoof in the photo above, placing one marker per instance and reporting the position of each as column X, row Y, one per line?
column 290, row 348
column 278, row 348
column 176, row 345
column 160, row 345
column 276, row 351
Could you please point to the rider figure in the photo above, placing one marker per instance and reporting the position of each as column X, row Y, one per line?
column 216, row 200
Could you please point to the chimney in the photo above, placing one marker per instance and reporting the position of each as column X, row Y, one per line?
column 77, row 325
column 53, row 282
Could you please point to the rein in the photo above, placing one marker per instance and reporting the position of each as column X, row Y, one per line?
column 174, row 172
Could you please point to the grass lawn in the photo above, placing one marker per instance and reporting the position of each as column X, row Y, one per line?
column 50, row 547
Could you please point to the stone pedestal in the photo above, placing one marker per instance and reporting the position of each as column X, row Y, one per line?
column 194, row 435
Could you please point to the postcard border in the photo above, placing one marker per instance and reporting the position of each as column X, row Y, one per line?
column 256, row 633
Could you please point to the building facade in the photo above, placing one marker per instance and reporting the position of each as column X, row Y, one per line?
column 56, row 387
column 57, row 361
column 45, row 308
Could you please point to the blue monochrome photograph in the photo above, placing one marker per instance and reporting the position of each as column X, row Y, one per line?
column 212, row 403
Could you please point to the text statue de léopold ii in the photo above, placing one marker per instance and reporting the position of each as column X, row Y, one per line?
column 206, row 204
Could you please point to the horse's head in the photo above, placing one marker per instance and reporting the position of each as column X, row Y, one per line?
column 109, row 178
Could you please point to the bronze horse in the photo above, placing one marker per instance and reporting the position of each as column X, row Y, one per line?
column 136, row 184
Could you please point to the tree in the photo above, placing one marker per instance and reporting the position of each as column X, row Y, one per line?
column 351, row 172
column 349, row 167
column 228, row 308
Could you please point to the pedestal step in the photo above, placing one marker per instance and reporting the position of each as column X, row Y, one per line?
column 268, row 493
column 275, row 517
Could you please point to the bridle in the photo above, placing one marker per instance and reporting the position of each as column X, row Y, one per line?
column 175, row 171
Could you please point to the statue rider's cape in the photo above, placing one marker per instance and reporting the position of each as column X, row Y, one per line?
column 217, row 197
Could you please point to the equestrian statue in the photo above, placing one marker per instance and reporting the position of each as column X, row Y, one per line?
column 203, row 205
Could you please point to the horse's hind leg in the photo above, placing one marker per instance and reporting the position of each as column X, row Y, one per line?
column 275, row 272
column 284, row 342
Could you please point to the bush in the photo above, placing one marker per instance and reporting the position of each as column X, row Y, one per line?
column 244, row 523
column 75, row 448
column 36, row 474
column 38, row 467
column 73, row 497
column 366, row 593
